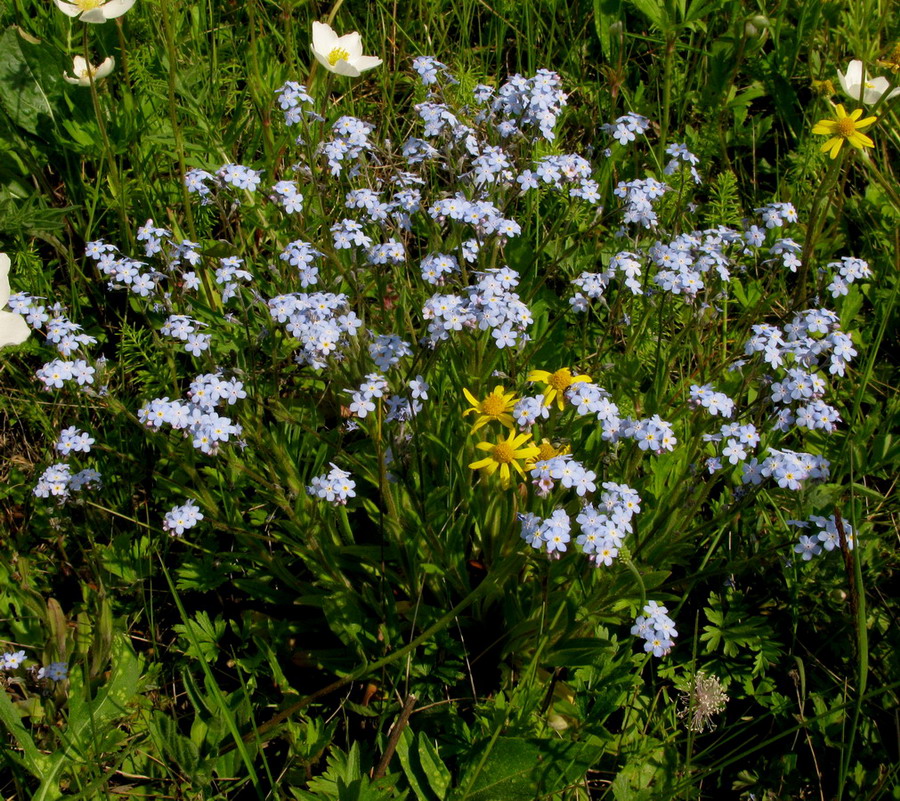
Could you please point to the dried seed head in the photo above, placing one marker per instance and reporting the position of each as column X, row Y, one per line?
column 705, row 699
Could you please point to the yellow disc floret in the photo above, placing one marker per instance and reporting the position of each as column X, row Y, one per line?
column 505, row 454
column 557, row 384
column 496, row 406
column 844, row 127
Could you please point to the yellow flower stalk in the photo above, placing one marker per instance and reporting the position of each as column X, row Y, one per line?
column 842, row 128
column 505, row 454
column 557, row 384
column 496, row 406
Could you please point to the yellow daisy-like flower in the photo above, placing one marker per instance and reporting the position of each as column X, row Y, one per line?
column 557, row 384
column 546, row 450
column 496, row 406
column 505, row 454
column 844, row 127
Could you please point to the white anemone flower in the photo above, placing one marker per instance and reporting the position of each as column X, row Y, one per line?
column 13, row 328
column 95, row 11
column 856, row 82
column 84, row 72
column 340, row 54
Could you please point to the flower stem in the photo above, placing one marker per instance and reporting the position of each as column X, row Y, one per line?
column 118, row 188
column 172, row 57
column 814, row 227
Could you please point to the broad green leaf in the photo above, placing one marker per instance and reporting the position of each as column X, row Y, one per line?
column 426, row 773
column 606, row 14
column 506, row 774
column 32, row 759
column 654, row 11
column 28, row 73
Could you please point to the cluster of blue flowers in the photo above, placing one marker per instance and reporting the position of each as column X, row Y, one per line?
column 336, row 486
column 428, row 69
column 323, row 323
column 287, row 194
column 559, row 172
column 489, row 304
column 523, row 102
column 716, row 403
column 627, row 127
column 181, row 518
column 604, row 525
column 681, row 156
column 55, row 671
column 292, row 97
column 847, row 271
column 197, row 417
column 58, row 481
column 484, row 148
column 72, row 439
column 828, row 536
column 656, row 628
column 652, row 434
column 61, row 332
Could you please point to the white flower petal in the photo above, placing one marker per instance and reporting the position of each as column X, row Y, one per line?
column 323, row 60
column 345, row 68
column 352, row 43
column 323, row 39
column 116, row 8
column 13, row 329
column 4, row 279
column 95, row 16
column 69, row 9
column 856, row 84
column 105, row 68
column 364, row 63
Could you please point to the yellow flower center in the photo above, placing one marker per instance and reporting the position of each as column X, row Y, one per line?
column 846, row 127
column 493, row 405
column 547, row 452
column 87, row 5
column 333, row 57
column 561, row 379
column 503, row 453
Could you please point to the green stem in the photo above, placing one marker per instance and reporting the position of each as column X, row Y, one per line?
column 814, row 227
column 172, row 56
column 668, row 60
column 115, row 181
column 262, row 103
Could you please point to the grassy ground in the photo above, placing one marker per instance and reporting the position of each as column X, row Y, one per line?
column 286, row 578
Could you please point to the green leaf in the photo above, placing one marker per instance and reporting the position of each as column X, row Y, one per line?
column 426, row 773
column 606, row 14
column 178, row 748
column 203, row 635
column 28, row 73
column 90, row 716
column 506, row 774
column 654, row 11
column 33, row 760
